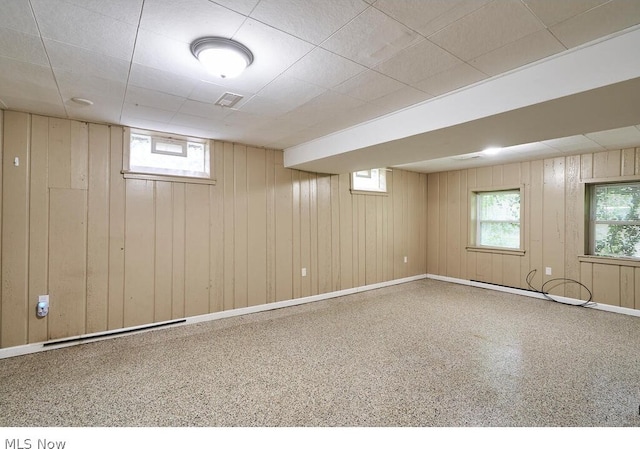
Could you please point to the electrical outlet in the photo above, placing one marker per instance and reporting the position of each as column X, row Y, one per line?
column 547, row 271
column 42, row 308
column 304, row 272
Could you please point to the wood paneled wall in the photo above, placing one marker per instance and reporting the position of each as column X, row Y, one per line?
column 113, row 253
column 553, row 226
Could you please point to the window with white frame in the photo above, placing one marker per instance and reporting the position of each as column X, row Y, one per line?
column 497, row 219
column 614, row 223
column 374, row 180
column 166, row 155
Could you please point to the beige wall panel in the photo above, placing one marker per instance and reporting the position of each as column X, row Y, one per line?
column 433, row 222
column 443, row 251
column 1, row 164
column 164, row 251
column 554, row 218
column 178, row 251
column 379, row 242
column 196, row 267
column 257, row 227
column 586, row 166
column 67, row 262
column 484, row 269
column 423, row 223
column 574, row 214
column 511, row 271
column 627, row 287
column 362, row 242
column 139, row 258
column 241, row 249
column 15, row 230
column 497, row 175
column 115, row 313
column 414, row 217
column 270, row 174
column 324, row 246
column 586, row 278
column 463, row 198
column 496, row 269
column 389, row 222
column 511, row 174
column 98, row 221
column 370, row 255
column 346, row 233
column 628, row 162
column 297, row 243
column 637, row 288
column 484, row 177
column 335, row 233
column 284, row 233
column 606, row 285
column 454, row 220
column 313, row 233
column 536, row 223
column 637, row 168
column 80, row 155
column 607, row 164
column 399, row 225
column 38, row 225
column 525, row 261
column 228, row 186
column 472, row 257
column 216, row 231
column 305, row 234
column 59, row 153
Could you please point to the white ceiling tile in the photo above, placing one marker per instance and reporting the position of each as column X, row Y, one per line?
column 291, row 91
column 42, row 106
column 105, row 114
column 33, row 82
column 310, row 20
column 146, row 113
column 527, row 49
column 488, row 28
column 64, row 22
column 267, row 107
column 154, row 99
column 573, row 143
column 597, row 22
column 124, row 10
column 23, row 47
column 324, row 69
column 242, row 6
column 246, row 119
column 418, row 62
column 369, row 86
column 371, row 38
column 192, row 108
column 551, row 12
column 135, row 122
column 458, row 76
column 194, row 121
column 79, row 60
column 427, row 17
column 402, row 98
column 17, row 15
column 161, row 81
column 187, row 20
column 615, row 139
column 104, row 93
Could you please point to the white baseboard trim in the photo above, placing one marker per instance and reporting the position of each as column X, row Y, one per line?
column 14, row 351
column 521, row 292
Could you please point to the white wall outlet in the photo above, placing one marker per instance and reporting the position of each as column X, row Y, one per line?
column 42, row 308
column 547, row 271
column 304, row 272
column 405, row 259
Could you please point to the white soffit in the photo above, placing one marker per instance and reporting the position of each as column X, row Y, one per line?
column 405, row 136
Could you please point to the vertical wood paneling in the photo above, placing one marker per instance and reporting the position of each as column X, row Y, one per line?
column 98, row 223
column 453, row 224
column 59, row 153
column 346, row 234
column 443, row 251
column 228, row 185
column 38, row 225
column 636, row 288
column 390, row 249
column 196, row 267
column 536, row 223
column 324, row 245
column 163, row 251
column 335, row 234
column 553, row 218
column 399, row 242
column 67, row 262
column 464, row 223
column 607, row 164
column 284, row 233
column 139, row 283
column 525, row 261
column 216, row 231
column 511, row 271
column 297, row 250
column 574, row 210
column 257, row 227
column 79, row 155
column 586, row 166
column 433, row 223
column 240, row 205
column 1, row 165
column 606, row 288
column 484, row 177
column 370, row 230
column 496, row 269
column 628, row 162
column 586, row 278
column 380, row 254
column 312, row 273
column 362, row 242
column 472, row 257
column 305, row 234
column 270, row 174
column 116, row 231
column 178, row 247
column 15, row 230
column 627, row 287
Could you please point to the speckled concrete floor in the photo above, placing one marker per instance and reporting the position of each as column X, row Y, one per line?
column 426, row 353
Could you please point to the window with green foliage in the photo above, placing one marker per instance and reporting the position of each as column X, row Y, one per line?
column 615, row 220
column 498, row 219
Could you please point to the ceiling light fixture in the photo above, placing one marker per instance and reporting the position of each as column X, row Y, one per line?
column 222, row 57
column 491, row 151
column 82, row 101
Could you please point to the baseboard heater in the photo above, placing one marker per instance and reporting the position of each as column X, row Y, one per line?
column 112, row 334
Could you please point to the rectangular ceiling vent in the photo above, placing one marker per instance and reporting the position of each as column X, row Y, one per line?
column 228, row 100
column 464, row 157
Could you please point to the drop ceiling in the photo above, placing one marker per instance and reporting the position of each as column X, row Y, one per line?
column 327, row 72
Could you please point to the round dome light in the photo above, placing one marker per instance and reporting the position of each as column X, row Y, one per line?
column 222, row 57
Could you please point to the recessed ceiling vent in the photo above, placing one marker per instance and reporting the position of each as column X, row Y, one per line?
column 464, row 157
column 228, row 100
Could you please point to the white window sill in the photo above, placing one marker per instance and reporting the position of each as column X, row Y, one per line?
column 168, row 178
column 493, row 250
column 610, row 260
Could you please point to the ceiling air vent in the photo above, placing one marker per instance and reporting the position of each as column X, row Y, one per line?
column 228, row 100
column 464, row 157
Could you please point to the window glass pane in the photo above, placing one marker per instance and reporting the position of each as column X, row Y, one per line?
column 143, row 159
column 617, row 240
column 505, row 235
column 618, row 202
column 500, row 206
column 374, row 180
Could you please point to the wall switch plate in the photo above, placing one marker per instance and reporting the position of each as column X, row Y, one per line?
column 405, row 259
column 547, row 271
column 304, row 272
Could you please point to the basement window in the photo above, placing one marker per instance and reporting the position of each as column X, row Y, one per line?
column 367, row 181
column 152, row 155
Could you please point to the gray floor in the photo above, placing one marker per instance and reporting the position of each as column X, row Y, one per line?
column 426, row 353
